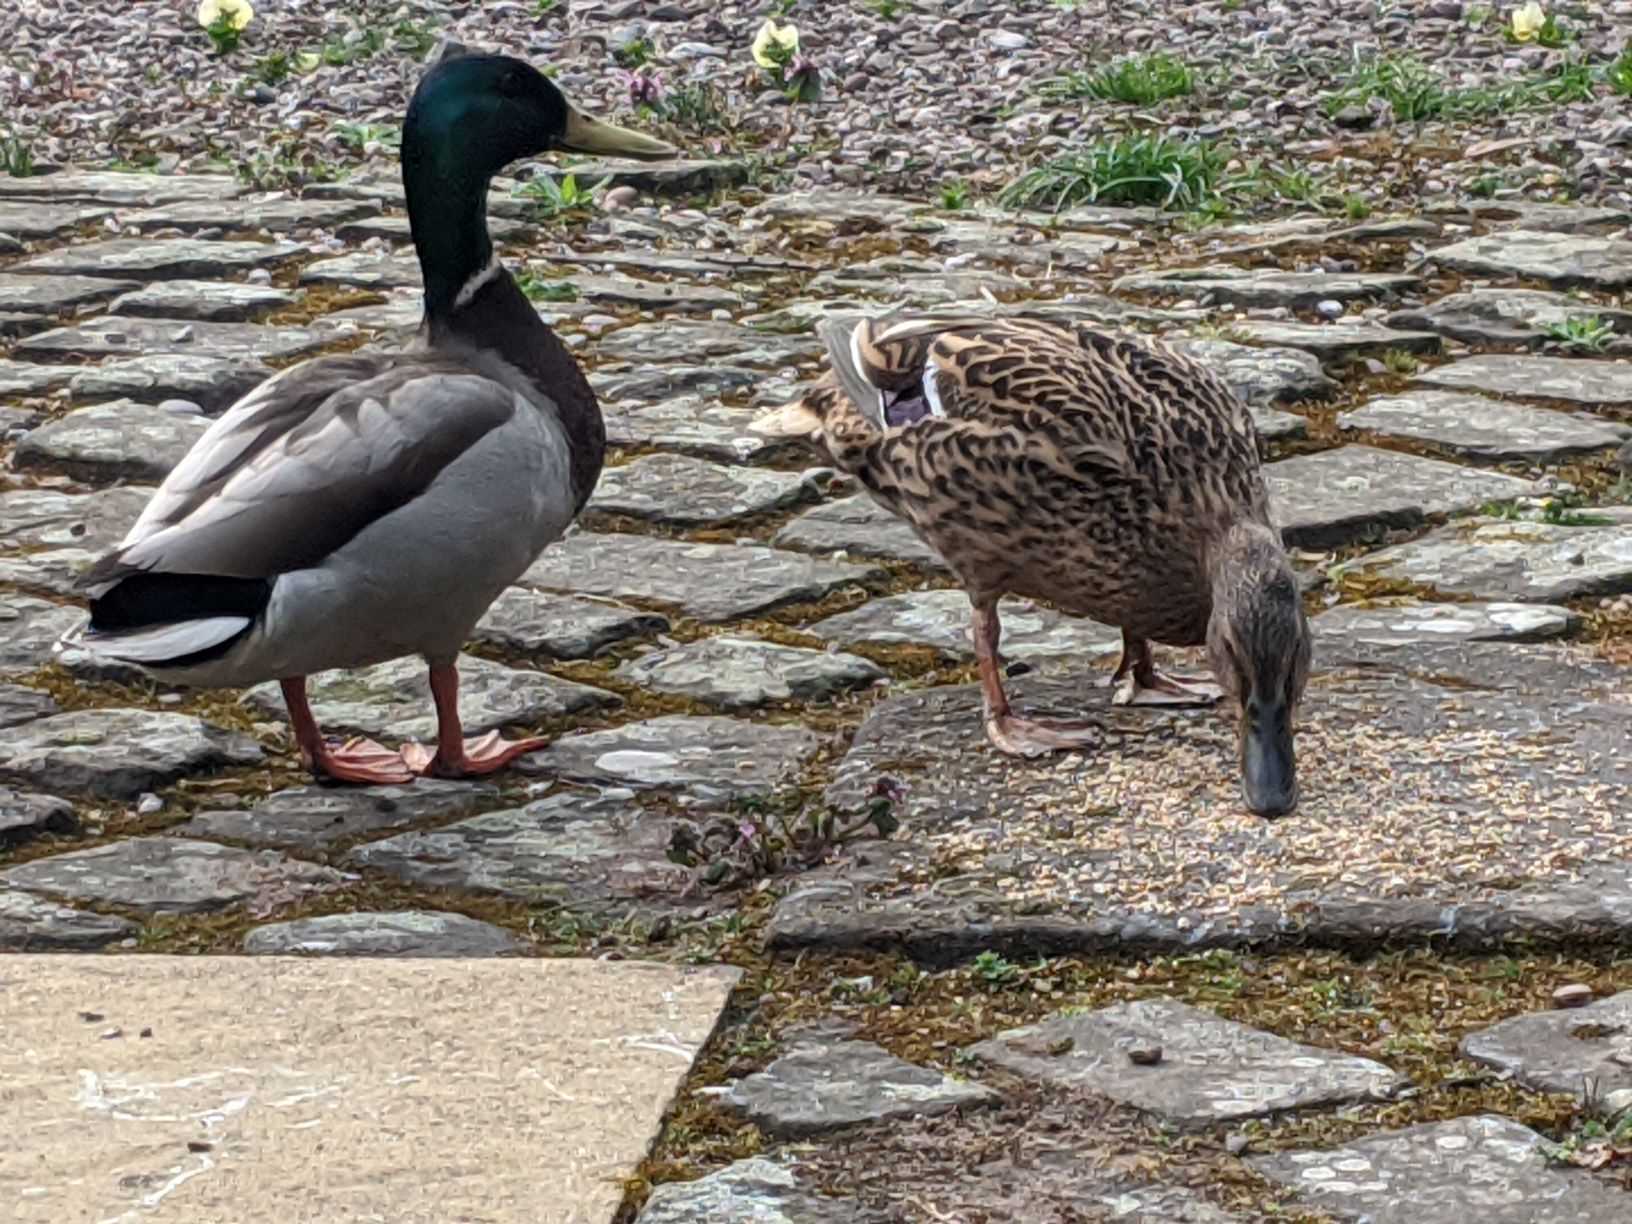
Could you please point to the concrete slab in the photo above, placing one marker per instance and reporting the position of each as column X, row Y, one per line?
column 269, row 1090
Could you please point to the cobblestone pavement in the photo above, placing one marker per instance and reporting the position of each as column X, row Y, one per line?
column 731, row 634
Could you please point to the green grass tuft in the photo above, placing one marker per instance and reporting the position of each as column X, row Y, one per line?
column 1140, row 80
column 1148, row 170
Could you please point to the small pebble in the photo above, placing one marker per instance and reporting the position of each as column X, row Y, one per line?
column 1329, row 308
column 1144, row 1053
column 1575, row 994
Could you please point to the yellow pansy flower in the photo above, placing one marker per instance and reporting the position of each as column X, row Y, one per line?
column 775, row 45
column 237, row 13
column 1527, row 21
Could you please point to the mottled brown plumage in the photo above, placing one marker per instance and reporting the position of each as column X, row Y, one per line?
column 1108, row 475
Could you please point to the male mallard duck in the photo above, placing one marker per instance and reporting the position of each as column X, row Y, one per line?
column 361, row 507
column 1112, row 477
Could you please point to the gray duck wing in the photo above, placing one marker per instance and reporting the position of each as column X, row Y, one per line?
column 305, row 462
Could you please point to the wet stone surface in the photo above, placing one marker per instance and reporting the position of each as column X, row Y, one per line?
column 212, row 383
column 858, row 527
column 117, row 754
column 691, row 425
column 1486, row 558
column 562, row 626
column 404, row 933
column 709, row 756
column 152, row 259
column 1340, row 341
column 122, row 337
column 713, row 582
column 1584, row 381
column 173, row 875
column 315, row 817
column 1581, row 1050
column 394, row 699
column 120, row 440
column 25, row 815
column 1261, row 375
column 1185, row 1065
column 34, row 518
column 691, row 492
column 1564, row 260
column 1411, row 621
column 1484, row 428
column 941, row 620
column 34, row 924
column 740, row 673
column 50, row 294
column 1339, row 496
column 1505, row 316
column 824, row 1087
column 568, row 848
column 28, row 629
column 19, row 704
column 216, row 301
column 1484, row 1168
column 1239, row 287
column 755, row 1189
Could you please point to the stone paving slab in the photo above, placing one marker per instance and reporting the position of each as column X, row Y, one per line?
column 755, row 1189
column 1475, row 787
column 819, row 1088
column 216, row 301
column 1335, row 497
column 1484, row 428
column 712, row 582
column 1564, row 260
column 1504, row 316
column 1482, row 1168
column 1184, row 1064
column 173, row 875
column 52, row 572
column 25, row 815
column 1239, row 287
column 1412, row 621
column 1580, row 380
column 25, row 378
column 119, row 440
column 313, row 818
column 213, row 383
column 742, row 673
column 692, row 425
column 1343, row 340
column 1261, row 376
column 121, row 188
column 568, row 848
column 34, row 924
column 124, row 337
column 13, row 325
column 19, row 704
column 1488, row 558
column 154, row 259
column 29, row 627
column 118, row 754
column 1583, row 1050
column 280, row 215
column 415, row 933
column 859, row 527
column 247, row 1084
column 941, row 620
column 709, row 756
column 31, row 220
column 562, row 626
column 36, row 518
column 393, row 699
column 53, row 294
column 684, row 491
column 679, row 340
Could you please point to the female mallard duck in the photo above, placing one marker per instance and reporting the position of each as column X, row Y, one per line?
column 1112, row 477
column 361, row 507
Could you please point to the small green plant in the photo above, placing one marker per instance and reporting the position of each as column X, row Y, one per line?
column 1530, row 24
column 1584, row 333
column 776, row 51
column 1398, row 361
column 552, row 197
column 338, row 52
column 16, row 156
column 542, row 8
column 635, row 53
column 1149, row 170
column 414, row 38
column 889, row 10
column 540, row 290
column 699, row 107
column 272, row 69
column 1140, row 80
column 1356, row 207
column 359, row 135
column 1483, row 186
column 994, row 969
column 1618, row 73
column 1571, row 83
column 955, row 196
column 1414, row 91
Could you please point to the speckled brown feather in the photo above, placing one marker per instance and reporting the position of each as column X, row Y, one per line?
column 1093, row 470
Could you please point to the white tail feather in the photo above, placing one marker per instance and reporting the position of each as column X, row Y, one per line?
column 159, row 643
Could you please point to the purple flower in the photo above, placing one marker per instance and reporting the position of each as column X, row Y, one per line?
column 643, row 90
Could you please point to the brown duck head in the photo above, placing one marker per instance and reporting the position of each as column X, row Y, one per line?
column 1258, row 644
